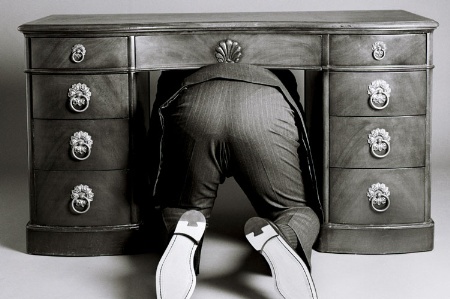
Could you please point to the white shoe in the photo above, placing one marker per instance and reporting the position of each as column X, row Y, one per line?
column 291, row 275
column 175, row 275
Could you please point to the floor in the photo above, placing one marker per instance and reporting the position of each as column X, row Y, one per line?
column 229, row 269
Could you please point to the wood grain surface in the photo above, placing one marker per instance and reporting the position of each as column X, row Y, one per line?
column 304, row 20
column 349, row 203
column 193, row 50
column 408, row 49
column 349, row 96
column 349, row 145
column 110, row 205
column 109, row 52
column 52, row 150
column 109, row 96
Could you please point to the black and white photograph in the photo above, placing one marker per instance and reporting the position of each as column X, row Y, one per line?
column 231, row 150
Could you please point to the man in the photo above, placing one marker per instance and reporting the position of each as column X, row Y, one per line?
column 235, row 120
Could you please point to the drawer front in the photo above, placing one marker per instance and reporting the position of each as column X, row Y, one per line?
column 53, row 196
column 110, row 52
column 169, row 51
column 352, row 189
column 63, row 97
column 378, row 93
column 409, row 49
column 52, row 148
column 402, row 143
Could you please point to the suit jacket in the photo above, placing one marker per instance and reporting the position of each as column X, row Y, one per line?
column 172, row 83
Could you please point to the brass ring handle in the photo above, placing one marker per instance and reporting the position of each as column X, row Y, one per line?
column 78, row 53
column 81, row 145
column 79, row 97
column 380, row 93
column 378, row 195
column 81, row 196
column 379, row 142
column 379, row 50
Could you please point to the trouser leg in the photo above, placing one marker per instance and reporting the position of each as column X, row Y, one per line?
column 264, row 149
column 220, row 128
column 190, row 168
column 191, row 156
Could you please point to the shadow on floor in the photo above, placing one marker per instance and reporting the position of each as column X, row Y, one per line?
column 14, row 212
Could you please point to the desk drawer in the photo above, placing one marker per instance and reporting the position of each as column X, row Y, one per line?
column 349, row 196
column 65, row 96
column 407, row 49
column 378, row 93
column 52, row 148
column 189, row 50
column 404, row 137
column 109, row 52
column 54, row 197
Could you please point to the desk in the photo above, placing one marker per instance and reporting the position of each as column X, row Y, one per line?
column 367, row 85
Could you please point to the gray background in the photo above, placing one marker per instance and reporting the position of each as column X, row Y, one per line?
column 337, row 276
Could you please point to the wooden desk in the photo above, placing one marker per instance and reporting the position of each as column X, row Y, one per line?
column 367, row 101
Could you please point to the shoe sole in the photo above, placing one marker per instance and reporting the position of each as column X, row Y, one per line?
column 291, row 275
column 175, row 275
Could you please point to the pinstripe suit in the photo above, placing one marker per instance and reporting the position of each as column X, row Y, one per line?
column 237, row 120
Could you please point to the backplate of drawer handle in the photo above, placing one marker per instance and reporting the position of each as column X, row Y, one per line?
column 81, row 145
column 378, row 195
column 379, row 50
column 78, row 53
column 81, row 196
column 380, row 93
column 379, row 141
column 79, row 96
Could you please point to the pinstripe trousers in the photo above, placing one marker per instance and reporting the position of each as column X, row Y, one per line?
column 221, row 128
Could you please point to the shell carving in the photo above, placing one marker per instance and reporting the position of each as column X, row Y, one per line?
column 228, row 51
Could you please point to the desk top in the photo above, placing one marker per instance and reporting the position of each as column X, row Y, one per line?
column 311, row 21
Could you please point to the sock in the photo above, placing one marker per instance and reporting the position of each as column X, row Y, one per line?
column 289, row 235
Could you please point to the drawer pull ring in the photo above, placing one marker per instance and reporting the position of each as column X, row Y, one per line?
column 81, row 196
column 378, row 195
column 379, row 141
column 379, row 50
column 79, row 97
column 78, row 53
column 379, row 92
column 228, row 51
column 81, row 144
